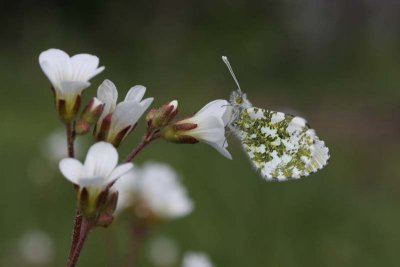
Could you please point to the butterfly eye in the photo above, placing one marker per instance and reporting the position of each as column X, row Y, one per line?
column 239, row 100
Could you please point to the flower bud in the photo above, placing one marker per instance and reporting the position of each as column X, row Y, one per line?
column 163, row 115
column 89, row 116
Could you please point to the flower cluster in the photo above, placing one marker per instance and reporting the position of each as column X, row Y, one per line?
column 103, row 186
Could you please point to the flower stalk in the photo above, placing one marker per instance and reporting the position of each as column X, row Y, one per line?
column 70, row 139
column 78, row 216
column 149, row 137
column 84, row 231
column 139, row 233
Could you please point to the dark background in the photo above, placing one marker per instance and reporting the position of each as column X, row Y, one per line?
column 335, row 62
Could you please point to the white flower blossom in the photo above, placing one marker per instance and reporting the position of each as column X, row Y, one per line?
column 99, row 170
column 154, row 189
column 69, row 76
column 196, row 259
column 36, row 248
column 210, row 123
column 116, row 121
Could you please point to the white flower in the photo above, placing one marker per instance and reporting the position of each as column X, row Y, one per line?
column 210, row 123
column 98, row 172
column 36, row 248
column 116, row 121
column 154, row 189
column 196, row 259
column 69, row 76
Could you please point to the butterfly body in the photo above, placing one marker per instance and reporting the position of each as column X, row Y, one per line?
column 280, row 146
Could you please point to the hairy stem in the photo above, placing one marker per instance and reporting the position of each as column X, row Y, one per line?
column 70, row 139
column 76, row 233
column 78, row 216
column 85, row 229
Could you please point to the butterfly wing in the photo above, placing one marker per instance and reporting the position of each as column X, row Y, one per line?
column 280, row 146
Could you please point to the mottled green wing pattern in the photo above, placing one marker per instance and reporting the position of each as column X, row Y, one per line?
column 280, row 146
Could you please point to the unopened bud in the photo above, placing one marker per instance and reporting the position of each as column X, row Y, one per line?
column 89, row 116
column 163, row 115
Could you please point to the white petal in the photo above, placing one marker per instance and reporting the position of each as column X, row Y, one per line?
column 120, row 170
column 101, row 160
column 71, row 169
column 160, row 189
column 70, row 89
column 92, row 182
column 136, row 93
column 221, row 148
column 55, row 64
column 209, row 128
column 126, row 114
column 108, row 94
column 227, row 117
column 216, row 108
column 53, row 55
column 84, row 67
column 145, row 104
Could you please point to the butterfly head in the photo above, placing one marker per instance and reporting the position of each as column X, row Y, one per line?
column 238, row 99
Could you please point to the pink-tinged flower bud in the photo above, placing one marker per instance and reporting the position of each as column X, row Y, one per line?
column 163, row 115
column 89, row 116
column 69, row 76
column 93, row 181
column 207, row 125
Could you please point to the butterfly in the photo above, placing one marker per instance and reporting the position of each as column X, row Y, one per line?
column 280, row 146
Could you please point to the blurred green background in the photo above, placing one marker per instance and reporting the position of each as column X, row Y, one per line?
column 335, row 62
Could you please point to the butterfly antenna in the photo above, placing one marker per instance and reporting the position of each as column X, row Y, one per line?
column 226, row 61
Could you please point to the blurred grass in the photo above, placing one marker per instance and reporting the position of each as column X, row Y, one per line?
column 346, row 215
